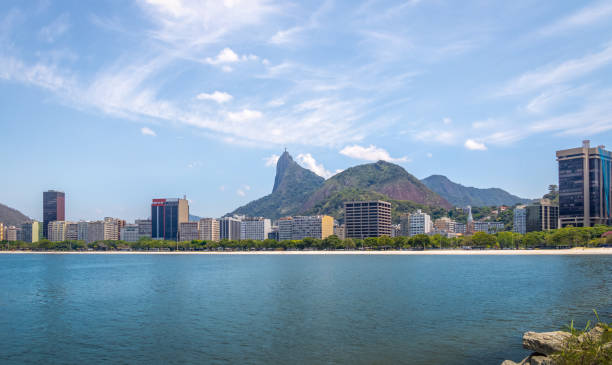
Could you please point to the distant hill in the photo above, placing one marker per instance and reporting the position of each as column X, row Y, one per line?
column 460, row 195
column 293, row 185
column 12, row 217
column 300, row 191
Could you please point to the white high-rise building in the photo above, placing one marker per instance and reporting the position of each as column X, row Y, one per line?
column 520, row 220
column 209, row 229
column 416, row 223
column 255, row 228
column 111, row 229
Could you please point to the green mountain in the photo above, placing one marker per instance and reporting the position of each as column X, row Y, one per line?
column 300, row 191
column 293, row 185
column 384, row 178
column 460, row 195
column 12, row 217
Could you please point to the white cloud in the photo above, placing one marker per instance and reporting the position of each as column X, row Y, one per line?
column 309, row 162
column 550, row 98
column 557, row 74
column 147, row 131
column 584, row 17
column 433, row 135
column 271, row 160
column 429, row 155
column 194, row 164
column 371, row 153
column 242, row 191
column 218, row 96
column 222, row 188
column 285, row 36
column 225, row 56
column 244, row 115
column 471, row 144
column 447, row 120
column 56, row 29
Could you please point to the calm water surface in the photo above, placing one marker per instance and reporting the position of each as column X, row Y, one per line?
column 170, row 309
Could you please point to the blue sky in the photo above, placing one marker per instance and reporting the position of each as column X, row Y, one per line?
column 118, row 102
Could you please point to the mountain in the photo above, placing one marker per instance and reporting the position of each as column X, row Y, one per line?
column 300, row 191
column 12, row 217
column 293, row 185
column 460, row 195
column 384, row 178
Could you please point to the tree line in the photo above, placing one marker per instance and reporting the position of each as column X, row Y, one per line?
column 559, row 238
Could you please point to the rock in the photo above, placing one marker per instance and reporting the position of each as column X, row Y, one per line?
column 509, row 362
column 545, row 343
column 540, row 360
column 594, row 335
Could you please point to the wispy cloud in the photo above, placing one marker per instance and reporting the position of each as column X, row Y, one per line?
column 473, row 145
column 370, row 153
column 244, row 115
column 242, row 191
column 148, row 131
column 56, row 29
column 309, row 162
column 587, row 16
column 218, row 96
column 557, row 74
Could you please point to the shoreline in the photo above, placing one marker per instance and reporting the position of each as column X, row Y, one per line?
column 571, row 251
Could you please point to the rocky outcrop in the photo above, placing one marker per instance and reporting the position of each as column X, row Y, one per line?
column 547, row 346
column 546, row 343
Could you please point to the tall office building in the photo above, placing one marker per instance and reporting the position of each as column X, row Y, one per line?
column 542, row 217
column 209, row 229
column 585, row 192
column 520, row 219
column 229, row 228
column 166, row 217
column 29, row 232
column 57, row 231
column 54, row 209
column 129, row 233
column 112, row 227
column 256, row 228
column 12, row 234
column 300, row 227
column 2, row 231
column 367, row 219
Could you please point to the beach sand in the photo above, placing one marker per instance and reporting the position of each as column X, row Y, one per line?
column 572, row 251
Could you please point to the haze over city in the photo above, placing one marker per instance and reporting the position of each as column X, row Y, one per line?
column 116, row 105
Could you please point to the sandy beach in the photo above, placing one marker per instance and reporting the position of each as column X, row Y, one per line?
column 572, row 251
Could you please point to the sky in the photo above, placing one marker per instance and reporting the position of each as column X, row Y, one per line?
column 118, row 102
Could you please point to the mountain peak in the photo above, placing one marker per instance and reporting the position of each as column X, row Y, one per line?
column 284, row 161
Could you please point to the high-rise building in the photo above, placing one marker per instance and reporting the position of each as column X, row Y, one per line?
column 520, row 220
column 57, row 231
column 12, row 234
column 585, row 192
column 2, row 229
column 488, row 227
column 300, row 227
column 129, row 233
column 416, row 223
column 95, row 231
column 144, row 227
column 112, row 227
column 54, row 208
column 445, row 224
column 29, row 232
column 339, row 231
column 229, row 228
column 72, row 231
column 542, row 217
column 364, row 219
column 82, row 230
column 166, row 217
column 189, row 231
column 256, row 228
column 209, row 229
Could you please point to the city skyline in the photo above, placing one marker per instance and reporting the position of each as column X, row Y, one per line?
column 159, row 107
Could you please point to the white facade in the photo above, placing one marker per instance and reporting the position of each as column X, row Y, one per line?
column 418, row 223
column 111, row 229
column 255, row 229
column 209, row 229
column 488, row 227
